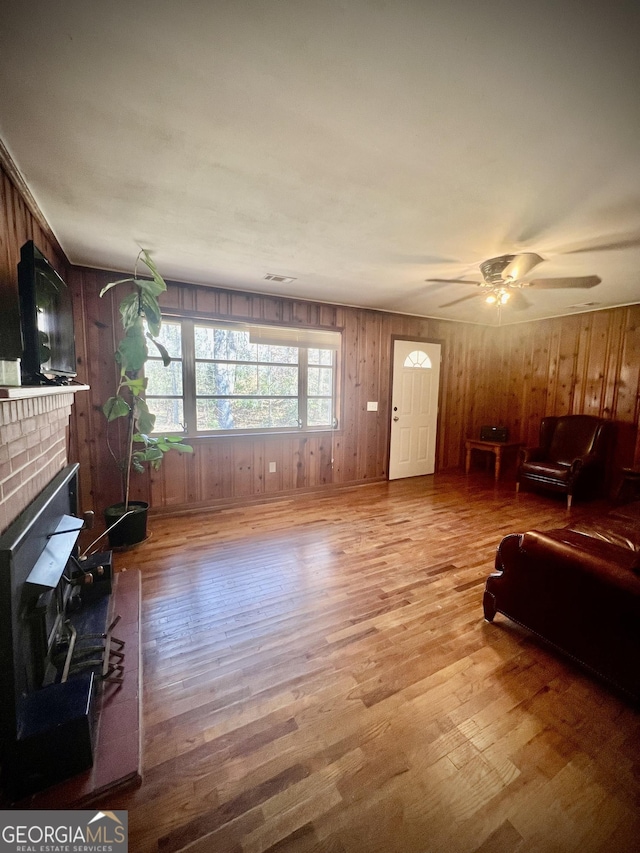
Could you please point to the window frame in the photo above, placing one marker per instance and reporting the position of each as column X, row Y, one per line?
column 189, row 398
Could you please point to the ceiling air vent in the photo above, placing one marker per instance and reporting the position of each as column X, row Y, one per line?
column 281, row 279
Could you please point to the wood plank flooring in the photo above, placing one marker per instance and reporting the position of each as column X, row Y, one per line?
column 318, row 676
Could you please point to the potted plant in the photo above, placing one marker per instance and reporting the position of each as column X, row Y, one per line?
column 141, row 323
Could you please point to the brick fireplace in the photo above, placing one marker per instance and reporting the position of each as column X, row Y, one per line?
column 92, row 705
column 34, row 426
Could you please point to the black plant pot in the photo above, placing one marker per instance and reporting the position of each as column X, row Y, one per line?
column 132, row 529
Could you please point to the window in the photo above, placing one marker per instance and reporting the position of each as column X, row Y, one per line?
column 236, row 377
column 243, row 385
column 165, row 384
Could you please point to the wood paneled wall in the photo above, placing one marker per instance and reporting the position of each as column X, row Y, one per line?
column 224, row 469
column 513, row 375
column 585, row 364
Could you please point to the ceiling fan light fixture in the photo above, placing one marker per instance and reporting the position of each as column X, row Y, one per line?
column 498, row 296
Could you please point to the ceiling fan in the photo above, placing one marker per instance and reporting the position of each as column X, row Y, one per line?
column 505, row 274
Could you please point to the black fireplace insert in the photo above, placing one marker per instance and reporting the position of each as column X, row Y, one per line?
column 49, row 607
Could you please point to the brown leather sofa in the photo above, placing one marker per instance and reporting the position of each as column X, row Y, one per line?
column 578, row 588
column 570, row 457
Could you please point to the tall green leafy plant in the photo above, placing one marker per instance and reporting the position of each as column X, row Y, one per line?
column 141, row 322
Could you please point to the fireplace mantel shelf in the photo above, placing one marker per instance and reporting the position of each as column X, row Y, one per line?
column 24, row 392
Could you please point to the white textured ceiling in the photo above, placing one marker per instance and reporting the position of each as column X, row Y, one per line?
column 359, row 147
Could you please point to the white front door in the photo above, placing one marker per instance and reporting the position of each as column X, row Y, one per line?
column 414, row 408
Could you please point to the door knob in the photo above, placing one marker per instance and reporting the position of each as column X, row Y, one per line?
column 396, row 418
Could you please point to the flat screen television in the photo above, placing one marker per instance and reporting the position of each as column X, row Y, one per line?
column 46, row 321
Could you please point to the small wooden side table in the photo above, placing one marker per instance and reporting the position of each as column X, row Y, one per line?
column 495, row 447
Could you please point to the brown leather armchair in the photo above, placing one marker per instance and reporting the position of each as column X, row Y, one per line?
column 570, row 457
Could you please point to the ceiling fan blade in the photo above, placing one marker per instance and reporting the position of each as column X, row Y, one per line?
column 453, row 281
column 462, row 299
column 517, row 301
column 577, row 281
column 432, row 260
column 623, row 243
column 520, row 266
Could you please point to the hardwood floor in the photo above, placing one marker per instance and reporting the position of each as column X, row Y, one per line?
column 319, row 677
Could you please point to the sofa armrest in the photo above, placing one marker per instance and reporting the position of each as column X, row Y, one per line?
column 584, row 463
column 531, row 454
column 566, row 550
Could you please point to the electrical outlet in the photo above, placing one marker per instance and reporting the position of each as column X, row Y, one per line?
column 272, row 467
